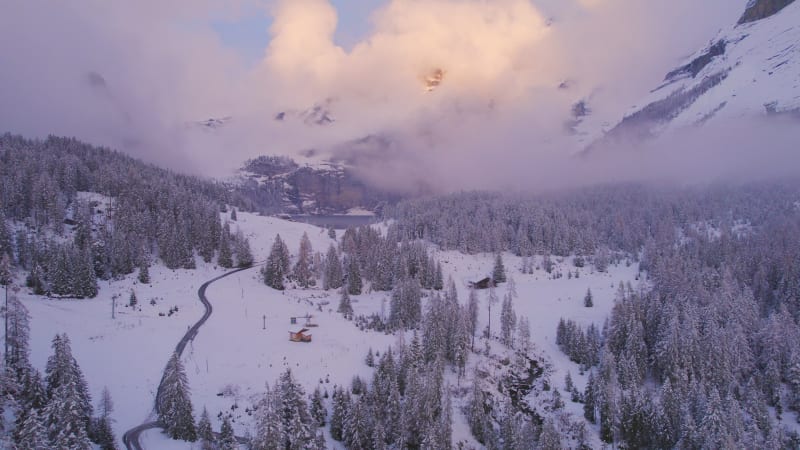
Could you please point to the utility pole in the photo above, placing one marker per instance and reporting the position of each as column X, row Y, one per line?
column 113, row 306
column 264, row 327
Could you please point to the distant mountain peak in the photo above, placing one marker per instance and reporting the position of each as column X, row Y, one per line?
column 213, row 123
column 318, row 114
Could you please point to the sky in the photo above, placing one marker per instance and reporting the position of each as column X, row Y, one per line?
column 138, row 76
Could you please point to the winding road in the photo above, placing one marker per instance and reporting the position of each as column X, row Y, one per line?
column 131, row 437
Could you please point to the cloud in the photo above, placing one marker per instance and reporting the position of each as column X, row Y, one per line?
column 465, row 92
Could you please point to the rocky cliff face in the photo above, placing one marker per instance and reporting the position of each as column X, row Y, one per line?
column 761, row 9
column 280, row 184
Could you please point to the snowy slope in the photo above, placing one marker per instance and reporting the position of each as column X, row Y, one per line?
column 749, row 70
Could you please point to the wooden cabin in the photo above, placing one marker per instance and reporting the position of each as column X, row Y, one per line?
column 485, row 283
column 299, row 335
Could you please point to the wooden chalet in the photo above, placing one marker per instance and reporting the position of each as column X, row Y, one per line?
column 485, row 283
column 299, row 335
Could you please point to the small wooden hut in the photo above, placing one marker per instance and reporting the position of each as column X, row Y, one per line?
column 299, row 335
column 485, row 283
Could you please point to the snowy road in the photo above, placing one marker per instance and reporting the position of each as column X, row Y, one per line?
column 131, row 437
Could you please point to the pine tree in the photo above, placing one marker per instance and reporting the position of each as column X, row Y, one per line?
column 18, row 320
column 204, row 431
column 589, row 406
column 244, row 255
column 369, row 360
column 333, row 270
column 32, row 434
column 62, row 370
column 225, row 257
column 102, row 430
column 588, row 300
column 438, row 279
column 144, row 272
column 268, row 434
column 233, row 214
column 357, row 431
column 275, row 268
column 354, row 283
column 550, row 439
column 227, row 440
column 132, row 300
column 499, row 271
column 296, row 422
column 318, row 412
column 345, row 306
column 472, row 312
column 508, row 320
column 65, row 416
column 303, row 271
column 174, row 402
column 341, row 405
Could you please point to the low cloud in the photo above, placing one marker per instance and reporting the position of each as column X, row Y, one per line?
column 455, row 93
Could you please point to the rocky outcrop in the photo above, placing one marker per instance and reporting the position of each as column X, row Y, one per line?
column 279, row 184
column 696, row 65
column 761, row 9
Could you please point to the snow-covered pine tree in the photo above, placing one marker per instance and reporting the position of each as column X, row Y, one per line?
column 18, row 320
column 102, row 431
column 144, row 272
column 244, row 255
column 499, row 270
column 296, row 423
column 339, row 413
column 303, row 270
column 588, row 299
column 227, row 440
column 132, row 301
column 274, row 270
column 333, row 270
column 31, row 434
column 508, row 321
column 438, row 279
column 268, row 432
column 472, row 314
column 174, row 402
column 62, row 368
column 550, row 439
column 205, row 434
column 345, row 306
column 357, row 430
column 225, row 256
column 65, row 414
column 354, row 283
column 317, row 408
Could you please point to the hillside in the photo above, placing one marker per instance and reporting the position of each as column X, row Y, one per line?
column 750, row 70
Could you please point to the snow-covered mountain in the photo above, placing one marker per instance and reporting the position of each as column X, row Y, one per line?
column 751, row 69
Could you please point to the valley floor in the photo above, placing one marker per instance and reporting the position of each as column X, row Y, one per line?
column 245, row 342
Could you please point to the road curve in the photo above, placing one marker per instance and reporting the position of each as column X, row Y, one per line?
column 131, row 437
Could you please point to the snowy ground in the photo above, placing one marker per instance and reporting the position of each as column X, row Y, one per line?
column 245, row 342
